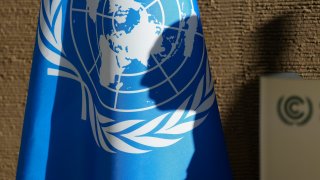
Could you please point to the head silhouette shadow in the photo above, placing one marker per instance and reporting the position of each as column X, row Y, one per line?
column 271, row 46
column 209, row 158
column 167, row 49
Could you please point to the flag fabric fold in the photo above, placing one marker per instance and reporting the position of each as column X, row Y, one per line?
column 121, row 89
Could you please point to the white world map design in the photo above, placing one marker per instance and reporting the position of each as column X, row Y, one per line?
column 121, row 47
column 134, row 36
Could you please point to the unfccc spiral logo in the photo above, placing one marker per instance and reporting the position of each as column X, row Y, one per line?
column 294, row 110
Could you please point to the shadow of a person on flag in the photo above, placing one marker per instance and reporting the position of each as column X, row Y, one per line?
column 184, row 66
column 184, row 94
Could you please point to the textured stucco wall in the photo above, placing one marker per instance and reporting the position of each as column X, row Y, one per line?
column 245, row 38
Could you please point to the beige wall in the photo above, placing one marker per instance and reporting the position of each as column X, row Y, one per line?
column 245, row 38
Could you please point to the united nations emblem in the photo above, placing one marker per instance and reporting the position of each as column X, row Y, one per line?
column 142, row 66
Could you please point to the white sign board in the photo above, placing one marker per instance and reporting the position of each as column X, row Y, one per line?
column 289, row 128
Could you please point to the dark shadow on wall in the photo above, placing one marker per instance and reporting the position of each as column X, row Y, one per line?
column 270, row 44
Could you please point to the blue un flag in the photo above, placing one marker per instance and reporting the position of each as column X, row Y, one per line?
column 121, row 89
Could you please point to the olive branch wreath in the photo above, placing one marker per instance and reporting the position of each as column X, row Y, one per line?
column 109, row 134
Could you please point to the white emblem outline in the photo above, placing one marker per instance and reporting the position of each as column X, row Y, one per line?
column 178, row 122
column 146, row 89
